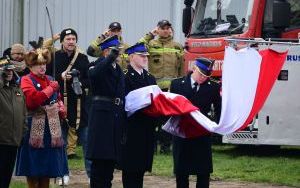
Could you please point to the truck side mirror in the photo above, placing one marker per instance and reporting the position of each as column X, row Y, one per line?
column 187, row 19
column 281, row 14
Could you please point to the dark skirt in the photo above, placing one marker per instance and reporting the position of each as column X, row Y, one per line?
column 41, row 162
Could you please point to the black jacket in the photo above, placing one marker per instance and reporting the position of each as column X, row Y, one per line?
column 138, row 135
column 62, row 61
column 193, row 156
column 105, row 117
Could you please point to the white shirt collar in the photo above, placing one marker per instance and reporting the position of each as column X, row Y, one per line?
column 192, row 83
column 140, row 72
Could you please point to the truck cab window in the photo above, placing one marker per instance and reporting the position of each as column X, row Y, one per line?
column 268, row 31
column 222, row 17
column 295, row 14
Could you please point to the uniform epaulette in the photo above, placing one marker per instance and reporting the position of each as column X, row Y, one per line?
column 215, row 81
column 125, row 71
column 178, row 78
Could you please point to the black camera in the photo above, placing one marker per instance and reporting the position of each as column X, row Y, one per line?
column 74, row 73
column 6, row 65
column 76, row 84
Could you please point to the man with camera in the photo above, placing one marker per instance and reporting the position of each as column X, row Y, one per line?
column 12, row 120
column 107, row 114
column 71, row 74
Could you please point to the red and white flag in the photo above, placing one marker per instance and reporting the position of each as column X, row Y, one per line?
column 247, row 79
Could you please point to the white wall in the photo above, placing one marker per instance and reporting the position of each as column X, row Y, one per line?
column 25, row 20
column 90, row 17
column 10, row 23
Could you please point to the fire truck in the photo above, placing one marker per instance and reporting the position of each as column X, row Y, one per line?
column 209, row 24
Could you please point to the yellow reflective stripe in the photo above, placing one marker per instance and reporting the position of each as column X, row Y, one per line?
column 94, row 43
column 163, row 50
column 143, row 40
column 124, row 55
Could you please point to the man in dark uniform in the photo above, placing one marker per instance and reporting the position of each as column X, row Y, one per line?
column 106, row 114
column 193, row 156
column 139, row 129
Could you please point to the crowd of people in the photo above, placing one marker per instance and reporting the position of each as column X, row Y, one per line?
column 51, row 103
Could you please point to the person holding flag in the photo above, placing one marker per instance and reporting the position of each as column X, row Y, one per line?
column 192, row 156
column 138, row 134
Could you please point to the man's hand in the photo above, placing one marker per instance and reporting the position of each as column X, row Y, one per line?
column 66, row 75
column 114, row 53
column 107, row 33
column 56, row 36
column 154, row 32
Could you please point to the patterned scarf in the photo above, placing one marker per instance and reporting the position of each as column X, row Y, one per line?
column 38, row 126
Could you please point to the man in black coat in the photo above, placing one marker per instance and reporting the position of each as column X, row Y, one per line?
column 138, row 136
column 68, row 54
column 193, row 156
column 106, row 115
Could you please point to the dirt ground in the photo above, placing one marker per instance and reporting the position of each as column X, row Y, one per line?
column 78, row 179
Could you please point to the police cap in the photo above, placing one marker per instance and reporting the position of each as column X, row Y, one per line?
column 204, row 66
column 138, row 48
column 110, row 42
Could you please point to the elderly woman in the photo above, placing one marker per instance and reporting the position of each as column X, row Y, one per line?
column 42, row 155
column 17, row 58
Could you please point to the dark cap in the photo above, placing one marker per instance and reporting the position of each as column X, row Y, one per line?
column 163, row 23
column 138, row 48
column 204, row 66
column 68, row 31
column 115, row 25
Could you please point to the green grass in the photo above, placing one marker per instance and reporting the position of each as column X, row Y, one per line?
column 17, row 185
column 232, row 163
column 162, row 165
column 77, row 163
column 252, row 164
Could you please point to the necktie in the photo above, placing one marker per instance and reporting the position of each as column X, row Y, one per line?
column 142, row 75
column 195, row 87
